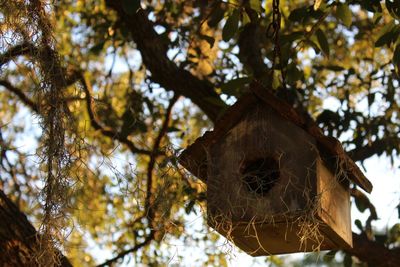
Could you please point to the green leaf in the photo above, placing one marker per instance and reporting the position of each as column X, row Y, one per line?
column 256, row 5
column 215, row 101
column 231, row 26
column 323, row 42
column 298, row 14
column 245, row 18
column 335, row 68
column 276, row 79
column 384, row 39
column 311, row 42
column 293, row 74
column 190, row 206
column 347, row 261
column 173, row 129
column 371, row 98
column 396, row 55
column 130, row 6
column 96, row 49
column 343, row 13
column 317, row 4
column 291, row 37
column 232, row 87
column 377, row 18
column 386, row 35
column 362, row 203
column 216, row 16
column 359, row 225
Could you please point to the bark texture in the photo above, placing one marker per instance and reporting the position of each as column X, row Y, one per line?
column 19, row 241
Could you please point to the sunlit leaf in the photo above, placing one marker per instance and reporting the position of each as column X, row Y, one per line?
column 317, row 4
column 323, row 42
column 231, row 26
column 343, row 13
column 255, row 5
column 245, row 18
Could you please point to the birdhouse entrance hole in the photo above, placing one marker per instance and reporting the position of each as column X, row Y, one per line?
column 260, row 175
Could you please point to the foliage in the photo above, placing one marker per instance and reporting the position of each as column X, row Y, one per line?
column 144, row 79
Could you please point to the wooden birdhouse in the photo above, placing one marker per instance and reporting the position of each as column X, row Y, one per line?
column 275, row 183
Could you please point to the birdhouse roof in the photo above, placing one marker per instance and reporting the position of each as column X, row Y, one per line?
column 194, row 157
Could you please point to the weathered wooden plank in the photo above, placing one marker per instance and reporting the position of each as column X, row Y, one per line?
column 334, row 202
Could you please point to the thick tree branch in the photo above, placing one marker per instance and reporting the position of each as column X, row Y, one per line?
column 18, row 238
column 21, row 95
column 377, row 147
column 106, row 131
column 374, row 253
column 163, row 70
column 15, row 51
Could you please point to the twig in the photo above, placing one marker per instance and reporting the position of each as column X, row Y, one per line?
column 107, row 131
column 156, row 146
column 149, row 207
column 18, row 92
column 15, row 51
column 131, row 250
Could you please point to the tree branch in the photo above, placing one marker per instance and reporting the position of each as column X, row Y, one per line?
column 18, row 92
column 18, row 50
column 375, row 148
column 163, row 70
column 149, row 206
column 96, row 124
column 132, row 250
column 374, row 253
column 19, row 240
column 156, row 146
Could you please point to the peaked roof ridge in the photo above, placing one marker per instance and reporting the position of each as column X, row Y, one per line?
column 194, row 157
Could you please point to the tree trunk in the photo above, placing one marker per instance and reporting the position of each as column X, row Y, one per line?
column 19, row 242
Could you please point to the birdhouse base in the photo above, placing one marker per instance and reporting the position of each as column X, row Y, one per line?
column 264, row 239
column 325, row 225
